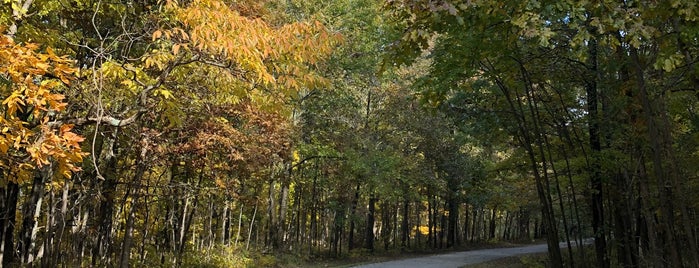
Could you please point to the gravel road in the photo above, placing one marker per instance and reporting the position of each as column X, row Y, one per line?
column 459, row 259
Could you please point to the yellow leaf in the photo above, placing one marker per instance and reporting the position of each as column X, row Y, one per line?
column 18, row 139
column 4, row 147
column 166, row 93
column 157, row 34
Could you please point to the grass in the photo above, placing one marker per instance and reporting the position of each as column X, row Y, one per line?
column 522, row 261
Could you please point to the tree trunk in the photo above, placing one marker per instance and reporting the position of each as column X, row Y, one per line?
column 225, row 223
column 597, row 193
column 507, row 226
column 107, row 185
column 541, row 177
column 283, row 207
column 405, row 231
column 128, row 232
column 626, row 246
column 338, row 225
column 355, row 201
column 386, row 224
column 466, row 223
column 453, row 207
column 31, row 212
column 272, row 231
column 127, row 242
column 665, row 186
column 8, row 210
column 252, row 224
column 430, row 222
column 49, row 259
column 58, row 226
column 418, row 223
column 492, row 224
column 369, row 239
column 561, row 206
column 187, row 219
column 240, row 225
column 474, row 226
column 442, row 224
column 649, row 239
column 575, row 208
column 525, row 139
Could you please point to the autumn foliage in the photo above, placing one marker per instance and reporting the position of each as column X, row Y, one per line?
column 30, row 139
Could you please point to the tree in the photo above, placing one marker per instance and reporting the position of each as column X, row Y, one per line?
column 32, row 145
column 527, row 51
column 147, row 68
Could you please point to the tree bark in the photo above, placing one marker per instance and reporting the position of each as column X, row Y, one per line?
column 386, row 229
column 31, row 212
column 369, row 234
column 107, row 187
column 272, row 231
column 240, row 226
column 491, row 231
column 8, row 210
column 405, row 231
column 283, row 208
column 125, row 255
column 127, row 242
column 453, row 207
column 252, row 224
column 665, row 185
column 597, row 191
column 353, row 213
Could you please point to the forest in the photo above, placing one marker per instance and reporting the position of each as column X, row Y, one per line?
column 226, row 133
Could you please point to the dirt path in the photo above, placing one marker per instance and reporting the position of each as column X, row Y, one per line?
column 459, row 259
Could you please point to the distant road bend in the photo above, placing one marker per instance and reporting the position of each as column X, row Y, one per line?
column 459, row 259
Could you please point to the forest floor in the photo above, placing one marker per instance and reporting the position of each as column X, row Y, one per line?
column 362, row 259
column 519, row 261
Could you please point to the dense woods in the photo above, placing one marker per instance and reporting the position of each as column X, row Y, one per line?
column 223, row 133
